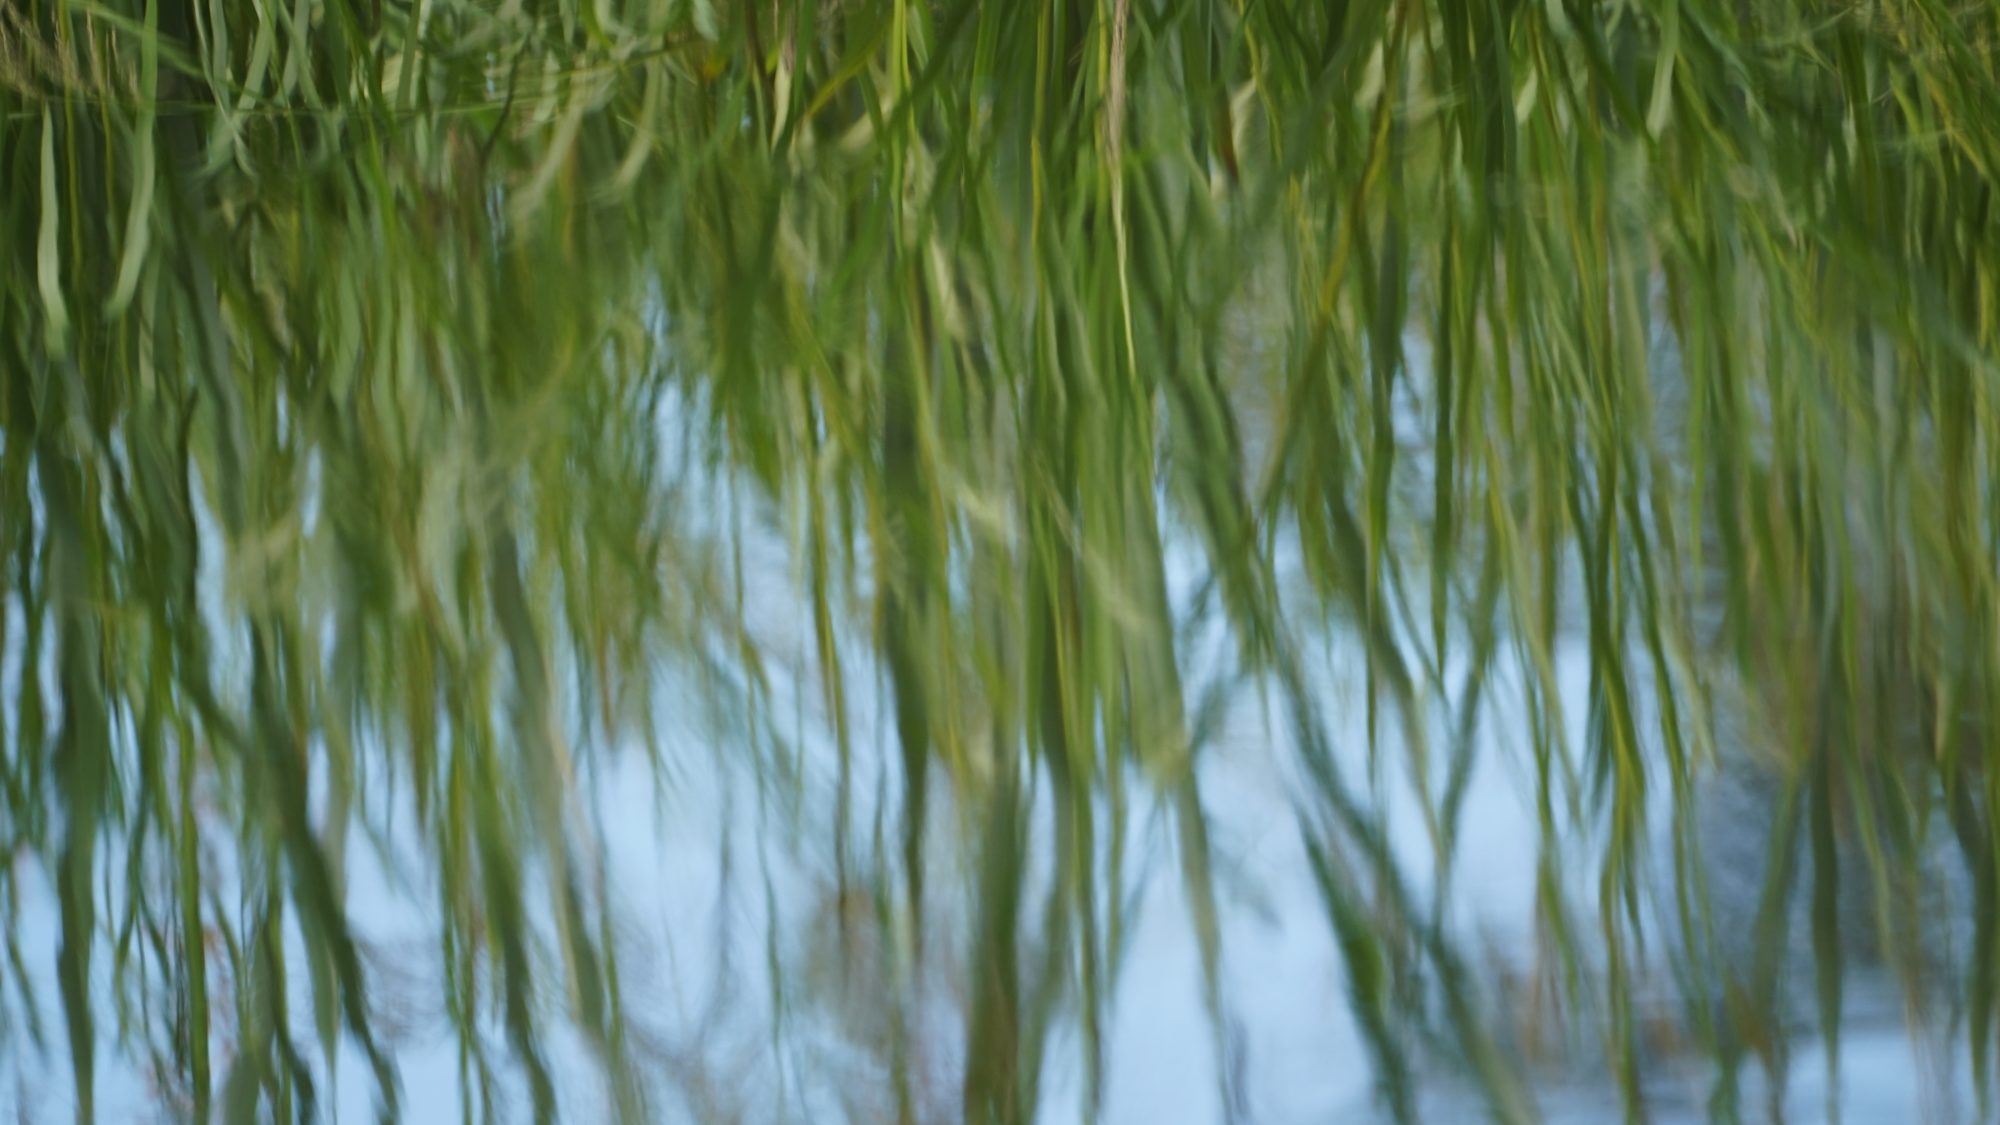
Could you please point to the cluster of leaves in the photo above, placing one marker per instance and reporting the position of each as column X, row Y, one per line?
column 385, row 313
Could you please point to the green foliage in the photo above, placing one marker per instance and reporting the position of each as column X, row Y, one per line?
column 399, row 316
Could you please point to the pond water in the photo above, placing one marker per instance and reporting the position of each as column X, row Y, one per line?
column 743, row 1006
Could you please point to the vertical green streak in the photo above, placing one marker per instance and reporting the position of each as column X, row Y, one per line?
column 1826, row 937
column 83, row 762
column 911, row 560
column 193, row 936
column 995, row 1082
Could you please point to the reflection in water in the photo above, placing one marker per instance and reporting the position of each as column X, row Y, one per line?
column 765, row 977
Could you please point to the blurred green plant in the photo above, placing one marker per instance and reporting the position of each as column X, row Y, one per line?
column 406, row 319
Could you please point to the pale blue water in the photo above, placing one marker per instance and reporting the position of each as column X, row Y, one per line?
column 715, row 889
